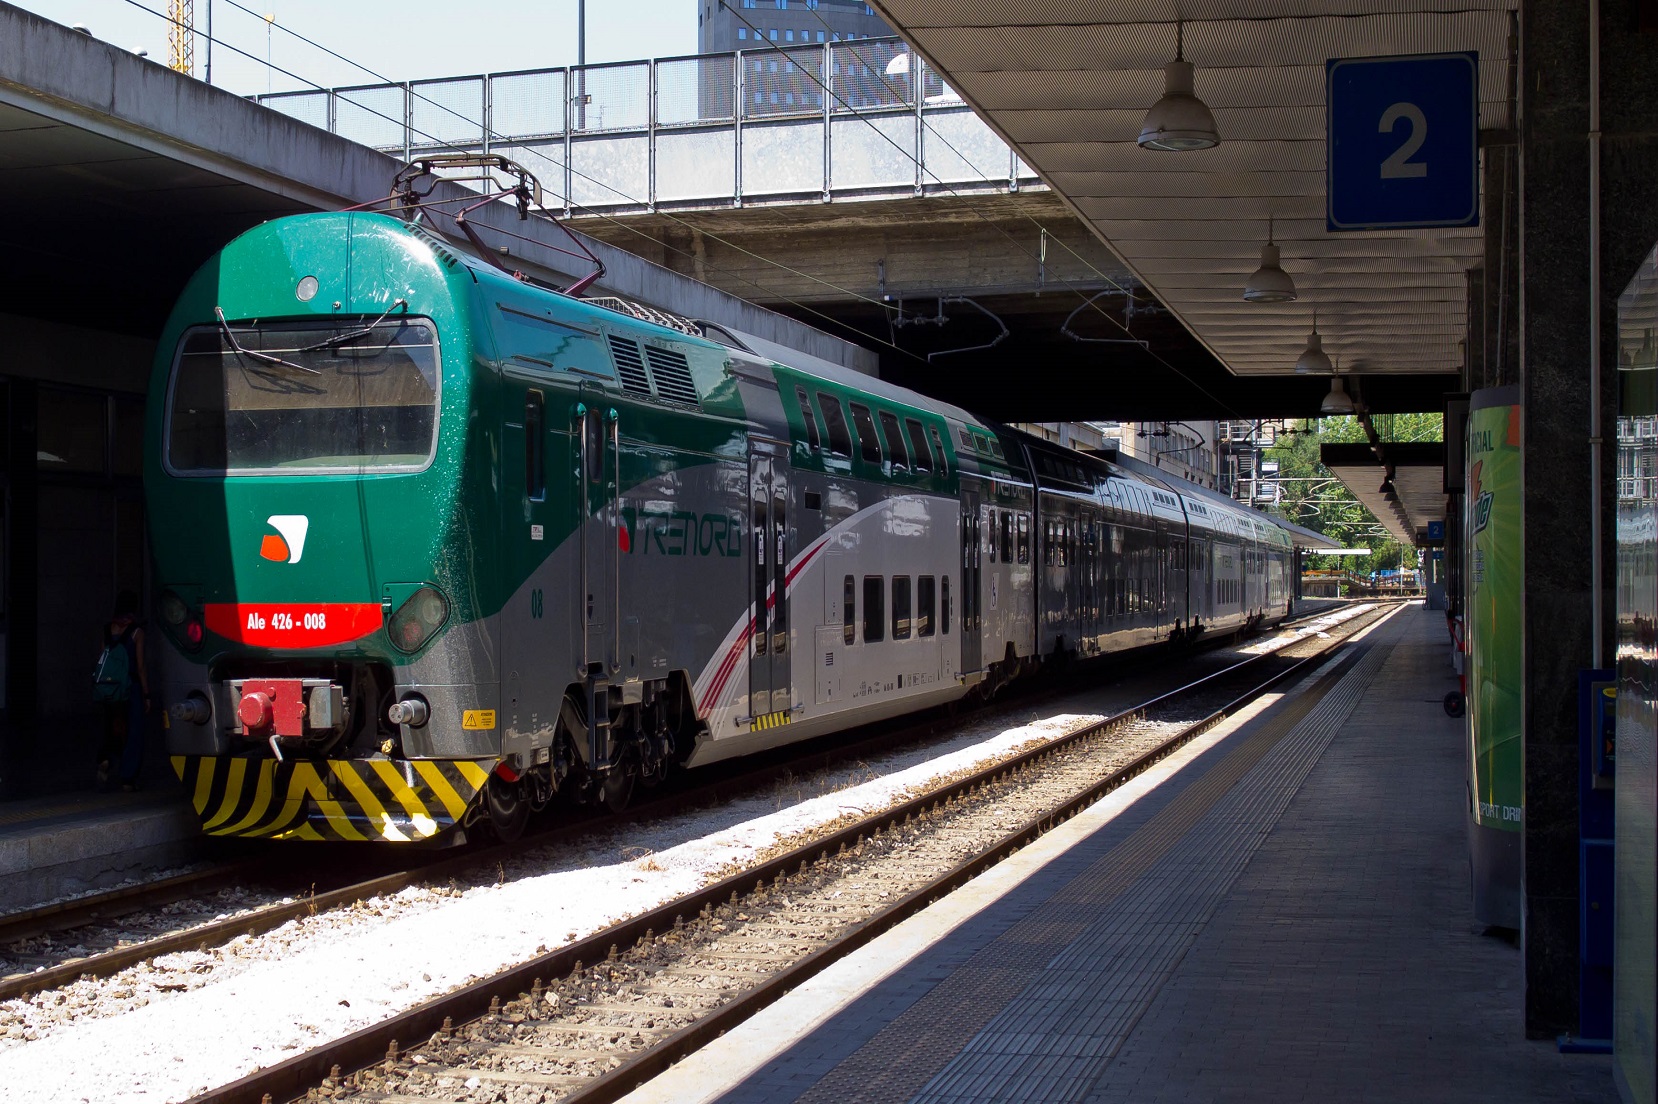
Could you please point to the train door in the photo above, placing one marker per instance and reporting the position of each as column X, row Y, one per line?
column 1164, row 614
column 770, row 654
column 972, row 659
column 531, row 651
column 596, row 434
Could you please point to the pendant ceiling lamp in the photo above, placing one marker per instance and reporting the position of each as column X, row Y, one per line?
column 1314, row 361
column 1338, row 401
column 1269, row 283
column 1179, row 121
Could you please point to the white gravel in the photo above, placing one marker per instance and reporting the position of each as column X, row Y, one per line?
column 169, row 1031
column 1319, row 627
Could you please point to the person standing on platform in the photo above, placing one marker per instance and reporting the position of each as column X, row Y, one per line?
column 121, row 685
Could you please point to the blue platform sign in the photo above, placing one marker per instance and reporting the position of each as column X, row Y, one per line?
column 1436, row 530
column 1403, row 141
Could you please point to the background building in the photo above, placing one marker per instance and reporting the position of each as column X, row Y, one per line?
column 724, row 25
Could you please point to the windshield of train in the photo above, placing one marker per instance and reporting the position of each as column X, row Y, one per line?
column 304, row 398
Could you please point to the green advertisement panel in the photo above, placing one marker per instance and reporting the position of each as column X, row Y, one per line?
column 1495, row 575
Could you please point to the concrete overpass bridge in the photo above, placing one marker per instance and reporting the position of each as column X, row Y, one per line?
column 849, row 186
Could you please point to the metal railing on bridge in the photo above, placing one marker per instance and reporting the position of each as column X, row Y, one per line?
column 862, row 118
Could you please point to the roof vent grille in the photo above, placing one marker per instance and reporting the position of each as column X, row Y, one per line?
column 628, row 364
column 672, row 373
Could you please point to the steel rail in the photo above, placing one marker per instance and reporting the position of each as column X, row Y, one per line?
column 383, row 1041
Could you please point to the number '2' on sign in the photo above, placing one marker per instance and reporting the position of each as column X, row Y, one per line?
column 1402, row 141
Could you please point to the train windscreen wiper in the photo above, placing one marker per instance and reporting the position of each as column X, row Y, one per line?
column 264, row 358
column 341, row 339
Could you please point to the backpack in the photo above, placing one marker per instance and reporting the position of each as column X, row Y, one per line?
column 112, row 678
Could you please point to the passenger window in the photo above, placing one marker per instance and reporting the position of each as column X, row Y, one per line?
column 944, row 607
column 812, row 440
column 990, row 546
column 1048, row 543
column 869, row 445
column 1007, row 536
column 938, row 448
column 875, row 609
column 535, row 460
column 965, row 438
column 925, row 599
column 834, row 421
column 900, row 607
column 920, row 458
column 849, row 611
column 1024, row 538
column 895, row 440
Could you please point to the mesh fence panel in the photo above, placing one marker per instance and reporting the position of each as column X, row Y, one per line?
column 696, row 164
column 371, row 115
column 448, row 111
column 617, row 97
column 695, row 90
column 610, row 171
column 935, row 91
column 783, row 82
column 858, row 71
column 873, row 152
column 307, row 107
column 783, row 158
column 528, row 105
column 958, row 148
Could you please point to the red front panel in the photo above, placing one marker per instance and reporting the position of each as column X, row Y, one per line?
column 293, row 624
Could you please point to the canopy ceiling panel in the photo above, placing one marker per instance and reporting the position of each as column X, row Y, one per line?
column 1068, row 82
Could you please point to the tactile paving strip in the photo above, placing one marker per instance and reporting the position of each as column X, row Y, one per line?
column 1036, row 1014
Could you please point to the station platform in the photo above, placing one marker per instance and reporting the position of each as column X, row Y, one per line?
column 1279, row 912
column 68, row 844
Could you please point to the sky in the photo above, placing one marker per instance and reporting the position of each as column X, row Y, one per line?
column 405, row 41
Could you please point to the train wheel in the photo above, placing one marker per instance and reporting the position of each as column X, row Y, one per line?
column 617, row 789
column 508, row 807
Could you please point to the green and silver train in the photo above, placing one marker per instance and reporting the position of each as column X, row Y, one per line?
column 436, row 545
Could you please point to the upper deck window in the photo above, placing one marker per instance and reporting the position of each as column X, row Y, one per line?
column 812, row 440
column 304, row 398
column 938, row 446
column 918, row 445
column 895, row 440
column 834, row 421
column 869, row 445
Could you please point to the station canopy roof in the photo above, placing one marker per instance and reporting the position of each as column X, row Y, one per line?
column 1067, row 83
column 1404, row 488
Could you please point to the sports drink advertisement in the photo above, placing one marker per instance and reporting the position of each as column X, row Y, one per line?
column 1495, row 575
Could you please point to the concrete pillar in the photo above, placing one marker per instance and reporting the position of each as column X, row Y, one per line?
column 1554, row 336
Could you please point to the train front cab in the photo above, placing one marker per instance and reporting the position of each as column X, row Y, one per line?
column 317, row 489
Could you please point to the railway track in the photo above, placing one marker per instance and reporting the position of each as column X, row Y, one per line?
column 101, row 935
column 590, row 1021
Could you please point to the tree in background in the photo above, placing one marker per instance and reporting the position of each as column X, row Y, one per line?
column 1311, row 496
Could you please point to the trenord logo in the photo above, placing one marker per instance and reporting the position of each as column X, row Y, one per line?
column 287, row 544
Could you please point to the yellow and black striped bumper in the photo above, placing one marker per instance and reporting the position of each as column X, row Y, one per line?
column 331, row 799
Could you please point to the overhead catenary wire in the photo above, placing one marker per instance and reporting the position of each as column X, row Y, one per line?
column 441, row 143
column 915, row 157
